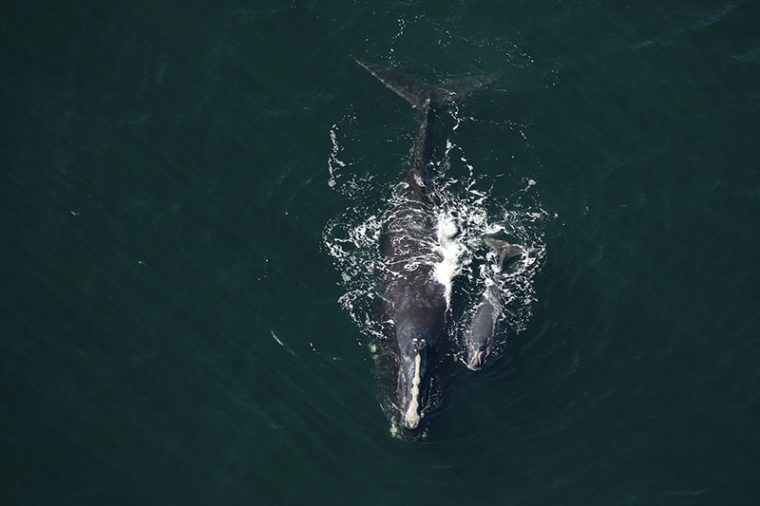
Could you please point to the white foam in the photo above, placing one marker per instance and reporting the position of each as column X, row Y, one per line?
column 450, row 251
column 334, row 164
column 274, row 336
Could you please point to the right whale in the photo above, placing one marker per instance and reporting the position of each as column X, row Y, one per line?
column 485, row 320
column 414, row 300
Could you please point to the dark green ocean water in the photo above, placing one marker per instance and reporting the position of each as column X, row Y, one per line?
column 164, row 196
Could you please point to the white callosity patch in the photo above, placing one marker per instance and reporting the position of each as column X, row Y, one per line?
column 412, row 415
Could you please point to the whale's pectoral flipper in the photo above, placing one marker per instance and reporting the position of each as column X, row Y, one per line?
column 416, row 91
column 504, row 250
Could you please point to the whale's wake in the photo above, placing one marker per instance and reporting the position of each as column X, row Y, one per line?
column 466, row 212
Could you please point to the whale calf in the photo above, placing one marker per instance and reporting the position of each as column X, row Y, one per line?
column 484, row 324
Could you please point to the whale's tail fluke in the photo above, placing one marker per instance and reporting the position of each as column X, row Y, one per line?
column 417, row 92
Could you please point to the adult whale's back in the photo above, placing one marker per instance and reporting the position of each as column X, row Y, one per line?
column 414, row 301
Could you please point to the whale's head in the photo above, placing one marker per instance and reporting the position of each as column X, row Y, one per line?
column 476, row 355
column 418, row 333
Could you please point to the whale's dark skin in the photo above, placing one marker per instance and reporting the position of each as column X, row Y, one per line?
column 414, row 303
column 485, row 319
